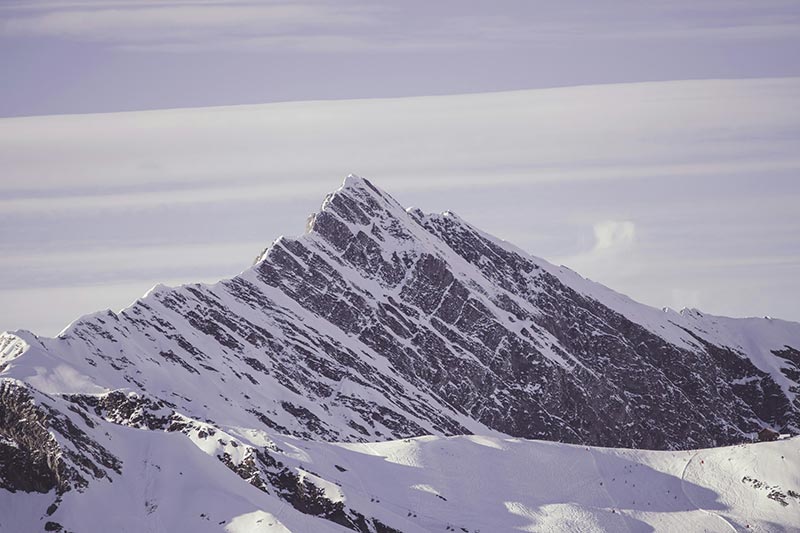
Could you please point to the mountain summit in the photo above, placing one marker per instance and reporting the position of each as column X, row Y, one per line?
column 384, row 323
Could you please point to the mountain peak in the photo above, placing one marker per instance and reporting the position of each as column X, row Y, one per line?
column 352, row 181
column 357, row 189
column 357, row 205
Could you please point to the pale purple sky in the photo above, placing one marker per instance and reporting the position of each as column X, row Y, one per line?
column 77, row 56
column 678, row 193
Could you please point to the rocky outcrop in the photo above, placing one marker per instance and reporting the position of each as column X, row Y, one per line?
column 33, row 454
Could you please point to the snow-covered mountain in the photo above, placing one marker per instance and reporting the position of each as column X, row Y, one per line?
column 384, row 323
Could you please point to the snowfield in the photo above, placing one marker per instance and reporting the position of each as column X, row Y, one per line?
column 466, row 483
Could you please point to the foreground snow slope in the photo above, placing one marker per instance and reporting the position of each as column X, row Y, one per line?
column 493, row 484
column 467, row 483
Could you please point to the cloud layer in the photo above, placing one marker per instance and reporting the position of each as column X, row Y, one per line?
column 196, row 25
column 675, row 193
column 77, row 56
column 210, row 23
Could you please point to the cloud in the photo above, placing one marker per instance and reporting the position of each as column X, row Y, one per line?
column 612, row 235
column 112, row 199
column 55, row 5
column 327, row 44
column 186, row 22
column 612, row 255
column 356, row 25
column 215, row 25
column 467, row 141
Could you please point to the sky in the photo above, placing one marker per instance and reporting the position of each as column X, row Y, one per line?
column 651, row 146
column 78, row 56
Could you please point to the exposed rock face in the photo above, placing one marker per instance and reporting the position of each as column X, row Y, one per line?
column 383, row 323
column 33, row 457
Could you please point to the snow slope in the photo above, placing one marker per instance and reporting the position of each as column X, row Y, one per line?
column 466, row 483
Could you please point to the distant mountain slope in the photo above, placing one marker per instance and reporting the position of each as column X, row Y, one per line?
column 380, row 323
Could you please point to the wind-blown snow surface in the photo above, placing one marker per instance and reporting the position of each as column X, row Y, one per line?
column 383, row 323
